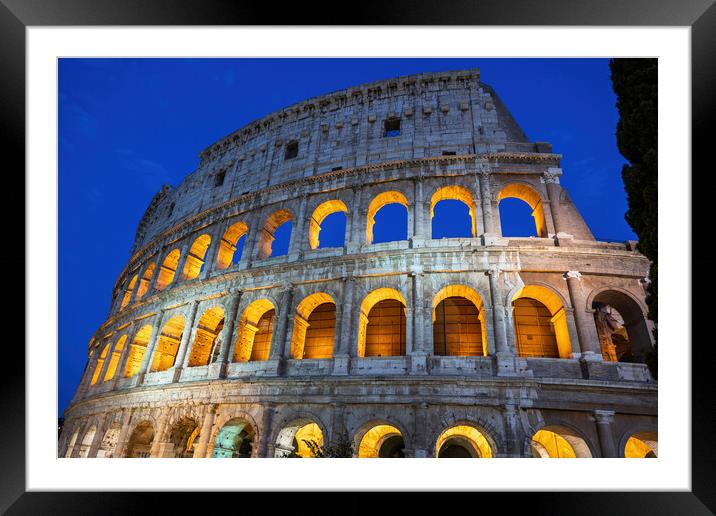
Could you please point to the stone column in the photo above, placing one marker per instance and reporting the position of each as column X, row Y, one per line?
column 586, row 328
column 338, row 424
column 505, row 358
column 341, row 357
column 350, row 219
column 513, row 435
column 213, row 251
column 278, row 342
column 180, row 359
column 421, row 445
column 229, row 344
column 357, row 222
column 551, row 179
column 420, row 227
column 137, row 283
column 299, row 233
column 122, row 362
column 147, row 359
column 265, row 432
column 123, row 437
column 486, row 199
column 200, row 448
column 98, row 436
column 159, row 434
column 250, row 245
column 604, row 420
column 179, row 273
column 418, row 353
column 155, row 274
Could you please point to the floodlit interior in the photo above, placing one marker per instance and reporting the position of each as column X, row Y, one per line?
column 381, row 330
column 266, row 235
column 234, row 440
column 255, row 332
column 195, row 259
column 314, row 327
column 168, row 344
column 204, row 347
column 462, row 441
column 540, row 323
column 136, row 351
column 459, row 322
column 381, row 441
column 168, row 270
column 227, row 245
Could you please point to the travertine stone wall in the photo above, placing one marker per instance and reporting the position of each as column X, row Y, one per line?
column 346, row 162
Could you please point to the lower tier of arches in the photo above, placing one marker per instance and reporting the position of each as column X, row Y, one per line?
column 447, row 419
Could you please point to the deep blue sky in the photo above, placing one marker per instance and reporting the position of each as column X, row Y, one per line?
column 127, row 126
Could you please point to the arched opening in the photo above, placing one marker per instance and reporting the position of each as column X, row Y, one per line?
column 382, row 441
column 71, row 445
column 136, row 351
column 462, row 441
column 274, row 238
column 230, row 247
column 540, row 323
column 314, row 327
column 182, row 437
column 528, row 195
column 642, row 445
column 300, row 438
column 114, row 360
column 168, row 344
column 100, row 363
column 393, row 221
column 195, row 259
column 458, row 322
column 87, row 442
column 381, row 330
column 128, row 291
column 255, row 332
column 559, row 442
column 140, row 443
column 452, row 212
column 332, row 213
column 146, row 280
column 168, row 270
column 206, row 346
column 621, row 327
column 234, row 440
column 109, row 442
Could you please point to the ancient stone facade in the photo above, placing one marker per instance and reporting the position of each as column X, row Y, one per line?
column 479, row 346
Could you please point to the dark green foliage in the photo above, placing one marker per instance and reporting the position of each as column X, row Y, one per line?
column 635, row 84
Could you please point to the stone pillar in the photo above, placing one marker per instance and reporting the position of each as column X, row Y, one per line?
column 573, row 336
column 604, row 420
column 155, row 274
column 229, row 344
column 357, row 221
column 179, row 273
column 338, row 425
column 299, row 233
column 513, row 434
column 250, row 245
column 278, row 342
column 180, row 359
column 505, row 358
column 420, row 219
column 98, row 436
column 344, row 334
column 265, row 432
column 551, row 179
column 418, row 353
column 123, row 437
column 147, row 360
column 159, row 433
column 588, row 343
column 213, row 251
column 137, row 283
column 421, row 445
column 200, row 448
column 486, row 199
column 122, row 362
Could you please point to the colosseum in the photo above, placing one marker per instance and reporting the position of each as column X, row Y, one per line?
column 472, row 346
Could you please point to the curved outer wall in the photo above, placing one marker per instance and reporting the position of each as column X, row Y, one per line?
column 344, row 155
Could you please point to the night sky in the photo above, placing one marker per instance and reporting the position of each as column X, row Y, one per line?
column 128, row 126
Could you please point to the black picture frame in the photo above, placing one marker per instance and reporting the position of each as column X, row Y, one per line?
column 700, row 15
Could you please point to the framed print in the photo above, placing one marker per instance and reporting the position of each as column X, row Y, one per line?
column 271, row 305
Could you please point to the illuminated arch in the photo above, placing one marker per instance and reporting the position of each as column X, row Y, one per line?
column 381, row 440
column 292, row 438
column 463, row 437
column 227, row 244
column 136, row 351
column 255, row 332
column 140, row 443
column 369, row 302
column 195, row 258
column 542, row 315
column 559, row 442
column 183, row 436
column 319, row 214
column 457, row 193
column 471, row 295
column 146, row 280
column 167, row 346
column 234, row 440
column 168, row 269
column 205, row 344
column 268, row 230
column 529, row 195
column 100, row 363
column 128, row 292
column 114, row 360
column 377, row 203
column 314, row 327
column 642, row 445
